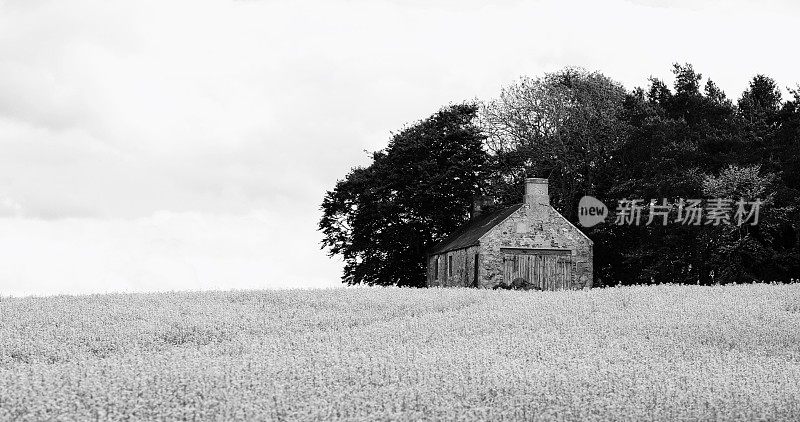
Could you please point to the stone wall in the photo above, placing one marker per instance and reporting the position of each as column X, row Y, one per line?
column 535, row 226
column 463, row 274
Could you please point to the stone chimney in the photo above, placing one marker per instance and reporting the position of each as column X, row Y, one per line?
column 536, row 191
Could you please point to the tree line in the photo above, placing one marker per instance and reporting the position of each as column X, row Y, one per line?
column 588, row 135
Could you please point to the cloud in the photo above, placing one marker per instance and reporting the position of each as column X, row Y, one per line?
column 9, row 207
column 165, row 251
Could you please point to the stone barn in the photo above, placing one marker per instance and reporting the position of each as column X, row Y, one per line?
column 528, row 245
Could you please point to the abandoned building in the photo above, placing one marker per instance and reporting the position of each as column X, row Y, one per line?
column 529, row 244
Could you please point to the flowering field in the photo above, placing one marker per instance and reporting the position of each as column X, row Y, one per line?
column 641, row 353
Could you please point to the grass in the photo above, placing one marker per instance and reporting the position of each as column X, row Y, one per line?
column 640, row 353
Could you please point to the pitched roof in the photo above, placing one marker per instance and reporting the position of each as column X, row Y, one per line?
column 468, row 234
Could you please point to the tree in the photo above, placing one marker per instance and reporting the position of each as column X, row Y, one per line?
column 382, row 219
column 759, row 113
column 673, row 139
column 691, row 144
column 562, row 126
column 741, row 253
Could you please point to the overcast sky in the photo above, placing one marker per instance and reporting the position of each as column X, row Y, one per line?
column 158, row 145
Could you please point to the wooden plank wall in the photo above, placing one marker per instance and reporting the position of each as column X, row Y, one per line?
column 546, row 270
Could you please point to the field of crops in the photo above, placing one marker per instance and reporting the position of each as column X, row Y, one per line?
column 641, row 353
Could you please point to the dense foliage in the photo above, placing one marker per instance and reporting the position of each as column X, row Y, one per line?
column 589, row 136
column 381, row 219
column 620, row 354
column 693, row 143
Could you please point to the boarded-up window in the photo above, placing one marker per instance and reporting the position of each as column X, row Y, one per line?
column 544, row 269
column 450, row 265
column 476, row 283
